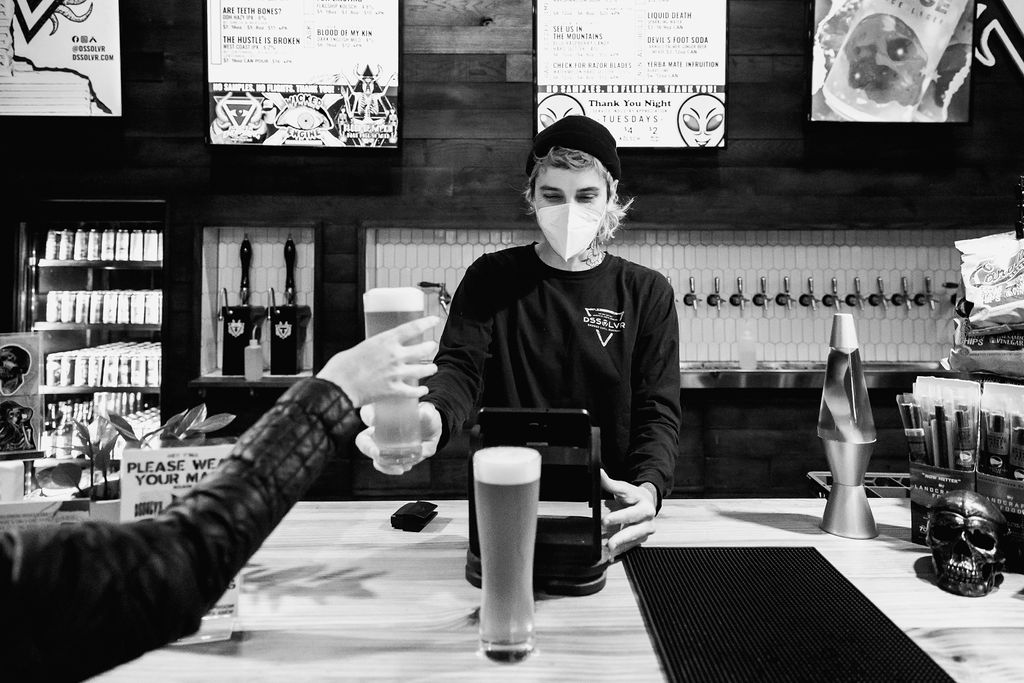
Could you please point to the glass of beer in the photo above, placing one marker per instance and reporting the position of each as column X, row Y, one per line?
column 396, row 427
column 506, row 487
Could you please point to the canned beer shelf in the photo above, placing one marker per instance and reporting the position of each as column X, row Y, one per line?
column 59, row 391
column 100, row 327
column 91, row 285
column 103, row 265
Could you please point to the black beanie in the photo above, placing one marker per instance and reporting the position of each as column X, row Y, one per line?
column 579, row 133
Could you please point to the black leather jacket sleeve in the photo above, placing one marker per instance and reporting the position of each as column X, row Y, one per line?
column 78, row 599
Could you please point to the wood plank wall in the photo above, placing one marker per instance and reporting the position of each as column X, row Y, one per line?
column 466, row 123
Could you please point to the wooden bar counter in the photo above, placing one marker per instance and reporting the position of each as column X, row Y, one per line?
column 337, row 594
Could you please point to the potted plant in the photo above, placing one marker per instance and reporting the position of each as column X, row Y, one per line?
column 95, row 446
column 190, row 425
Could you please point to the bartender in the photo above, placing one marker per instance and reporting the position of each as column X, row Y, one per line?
column 561, row 323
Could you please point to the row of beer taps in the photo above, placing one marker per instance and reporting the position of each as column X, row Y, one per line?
column 830, row 299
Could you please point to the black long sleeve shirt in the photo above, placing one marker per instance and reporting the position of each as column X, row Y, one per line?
column 522, row 334
column 78, row 599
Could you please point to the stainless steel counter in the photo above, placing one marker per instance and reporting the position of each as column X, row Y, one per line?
column 798, row 375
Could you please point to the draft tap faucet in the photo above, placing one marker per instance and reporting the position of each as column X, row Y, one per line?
column 808, row 298
column 761, row 298
column 879, row 296
column 783, row 298
column 901, row 298
column 715, row 298
column 444, row 299
column 856, row 298
column 832, row 300
column 926, row 297
column 738, row 299
column 690, row 299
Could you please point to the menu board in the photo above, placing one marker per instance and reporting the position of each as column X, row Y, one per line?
column 60, row 58
column 317, row 73
column 651, row 71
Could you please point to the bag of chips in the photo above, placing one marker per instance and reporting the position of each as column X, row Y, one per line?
column 989, row 334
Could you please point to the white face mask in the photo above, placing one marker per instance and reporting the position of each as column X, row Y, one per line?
column 569, row 228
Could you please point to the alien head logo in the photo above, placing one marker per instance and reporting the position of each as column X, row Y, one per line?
column 236, row 328
column 555, row 107
column 283, row 330
column 701, row 121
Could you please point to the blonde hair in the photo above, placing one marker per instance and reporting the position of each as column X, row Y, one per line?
column 575, row 160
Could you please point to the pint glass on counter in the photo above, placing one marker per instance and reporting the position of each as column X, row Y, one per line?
column 396, row 429
column 506, row 488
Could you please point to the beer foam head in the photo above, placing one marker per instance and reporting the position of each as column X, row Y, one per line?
column 383, row 299
column 506, row 465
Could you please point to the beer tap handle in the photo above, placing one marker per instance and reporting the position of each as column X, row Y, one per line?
column 690, row 299
column 738, row 299
column 831, row 300
column 715, row 299
column 809, row 299
column 783, row 298
column 245, row 256
column 289, row 262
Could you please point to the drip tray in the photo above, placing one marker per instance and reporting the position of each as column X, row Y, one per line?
column 767, row 614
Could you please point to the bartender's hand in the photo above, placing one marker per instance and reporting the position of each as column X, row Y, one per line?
column 430, row 428
column 383, row 366
column 629, row 519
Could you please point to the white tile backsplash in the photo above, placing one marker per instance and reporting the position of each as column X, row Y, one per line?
column 404, row 257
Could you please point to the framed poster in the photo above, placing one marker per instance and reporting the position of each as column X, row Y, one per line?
column 652, row 72
column 317, row 73
column 21, row 407
column 891, row 61
column 60, row 58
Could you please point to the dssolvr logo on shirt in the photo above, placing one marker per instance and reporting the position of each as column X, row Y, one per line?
column 604, row 322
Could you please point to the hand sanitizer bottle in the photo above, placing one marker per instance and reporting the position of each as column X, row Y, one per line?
column 253, row 360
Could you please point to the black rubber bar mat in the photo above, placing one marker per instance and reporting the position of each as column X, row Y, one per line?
column 767, row 614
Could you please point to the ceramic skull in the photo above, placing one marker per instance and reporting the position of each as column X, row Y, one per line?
column 965, row 533
column 887, row 60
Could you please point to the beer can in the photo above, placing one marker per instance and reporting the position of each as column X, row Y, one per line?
column 138, row 370
column 124, row 371
column 109, row 306
column 107, row 243
column 52, row 244
column 67, row 307
column 65, row 248
column 135, row 245
column 81, row 249
column 137, row 308
column 154, row 306
column 67, row 370
column 81, row 378
column 53, row 306
column 149, row 247
column 96, row 307
column 93, row 250
column 121, row 245
column 124, row 306
column 82, row 306
column 110, row 370
column 95, row 370
column 153, row 370
column 53, row 369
